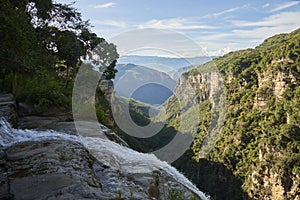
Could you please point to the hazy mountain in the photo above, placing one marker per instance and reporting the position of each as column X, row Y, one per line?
column 163, row 64
column 143, row 84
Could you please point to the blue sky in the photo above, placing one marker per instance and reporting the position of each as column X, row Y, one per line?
column 218, row 26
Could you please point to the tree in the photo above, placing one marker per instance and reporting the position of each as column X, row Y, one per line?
column 105, row 56
column 20, row 50
column 110, row 71
column 37, row 35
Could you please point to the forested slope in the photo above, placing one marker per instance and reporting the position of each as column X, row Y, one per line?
column 259, row 144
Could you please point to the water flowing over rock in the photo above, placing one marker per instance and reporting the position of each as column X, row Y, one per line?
column 8, row 108
column 54, row 165
column 5, row 132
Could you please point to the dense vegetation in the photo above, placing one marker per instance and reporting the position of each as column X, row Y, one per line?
column 258, row 153
column 42, row 46
column 261, row 134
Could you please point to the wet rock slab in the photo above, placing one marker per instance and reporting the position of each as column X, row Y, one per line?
column 51, row 165
column 58, row 169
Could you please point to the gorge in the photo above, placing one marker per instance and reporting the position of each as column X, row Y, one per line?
column 84, row 117
column 257, row 153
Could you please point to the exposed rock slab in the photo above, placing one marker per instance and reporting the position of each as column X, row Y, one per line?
column 66, row 170
column 62, row 166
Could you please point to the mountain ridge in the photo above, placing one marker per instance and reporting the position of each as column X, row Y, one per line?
column 164, row 64
column 259, row 142
column 143, row 84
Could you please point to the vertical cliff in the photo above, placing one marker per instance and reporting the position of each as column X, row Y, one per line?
column 259, row 142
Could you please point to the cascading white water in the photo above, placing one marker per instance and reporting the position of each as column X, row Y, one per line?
column 131, row 161
column 5, row 132
column 109, row 152
column 10, row 136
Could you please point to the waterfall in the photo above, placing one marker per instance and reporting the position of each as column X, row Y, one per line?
column 5, row 132
column 108, row 152
column 10, row 136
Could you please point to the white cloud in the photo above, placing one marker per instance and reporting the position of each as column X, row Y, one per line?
column 105, row 5
column 119, row 24
column 226, row 11
column 277, row 20
column 216, row 48
column 219, row 41
column 214, row 36
column 265, row 5
column 175, row 23
column 263, row 32
column 230, row 10
column 259, row 30
column 254, row 34
column 284, row 6
column 156, row 40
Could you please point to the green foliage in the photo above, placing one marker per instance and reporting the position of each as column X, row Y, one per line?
column 101, row 115
column 103, row 111
column 139, row 113
column 43, row 91
column 63, row 157
column 259, row 120
column 261, row 129
column 42, row 43
column 110, row 71
column 175, row 195
column 274, row 125
column 119, row 195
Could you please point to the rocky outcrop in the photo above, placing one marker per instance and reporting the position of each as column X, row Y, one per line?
column 272, row 86
column 49, row 169
column 53, row 165
column 270, row 182
column 107, row 87
column 195, row 88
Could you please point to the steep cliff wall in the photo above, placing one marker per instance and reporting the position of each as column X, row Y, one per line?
column 259, row 142
column 107, row 87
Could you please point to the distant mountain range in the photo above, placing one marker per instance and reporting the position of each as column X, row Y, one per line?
column 163, row 64
column 151, row 79
column 143, row 84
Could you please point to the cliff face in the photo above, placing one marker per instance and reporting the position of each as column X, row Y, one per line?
column 259, row 142
column 266, row 181
column 201, row 86
column 107, row 87
column 273, row 85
